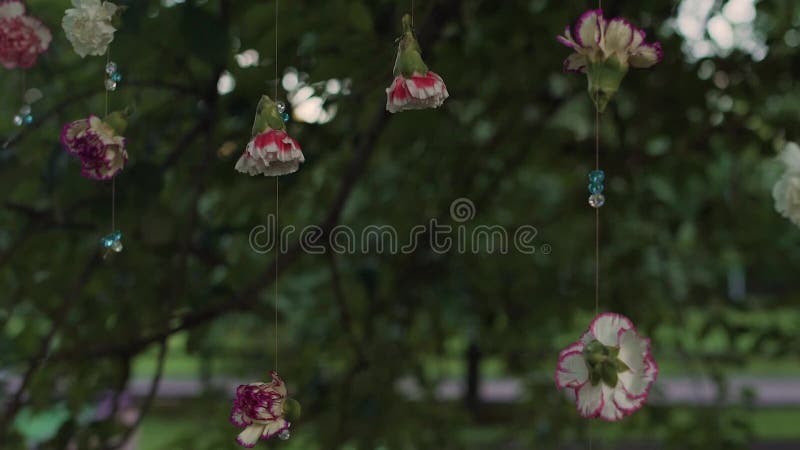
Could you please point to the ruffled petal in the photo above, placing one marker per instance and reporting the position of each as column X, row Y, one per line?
column 610, row 412
column 587, row 30
column 274, row 428
column 250, row 436
column 637, row 381
column 575, row 63
column 589, row 400
column 618, row 36
column 571, row 370
column 647, row 55
column 567, row 39
column 625, row 403
column 606, row 328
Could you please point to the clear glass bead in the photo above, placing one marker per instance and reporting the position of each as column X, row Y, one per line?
column 281, row 107
column 111, row 68
column 19, row 120
column 597, row 200
column 285, row 435
column 116, row 246
column 111, row 85
column 24, row 110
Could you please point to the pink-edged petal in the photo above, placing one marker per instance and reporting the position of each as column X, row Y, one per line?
column 274, row 428
column 610, row 412
column 571, row 370
column 589, row 400
column 587, row 30
column 250, row 436
column 606, row 328
column 11, row 8
column 567, row 39
column 647, row 55
column 618, row 36
column 639, row 36
column 575, row 63
column 638, row 384
column 238, row 418
column 626, row 404
column 633, row 349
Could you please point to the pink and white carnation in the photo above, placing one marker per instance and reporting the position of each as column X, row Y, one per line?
column 97, row 144
column 271, row 153
column 414, row 86
column 22, row 38
column 419, row 91
column 604, row 50
column 610, row 369
column 262, row 410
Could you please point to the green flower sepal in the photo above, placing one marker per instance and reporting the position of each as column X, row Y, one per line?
column 409, row 55
column 603, row 363
column 267, row 117
column 605, row 78
column 292, row 410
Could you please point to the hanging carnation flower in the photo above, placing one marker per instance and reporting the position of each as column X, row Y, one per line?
column 414, row 86
column 263, row 410
column 89, row 26
column 22, row 38
column 610, row 369
column 786, row 191
column 271, row 151
column 604, row 50
column 98, row 144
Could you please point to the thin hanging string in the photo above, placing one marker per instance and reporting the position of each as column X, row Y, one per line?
column 276, row 48
column 113, row 180
column 277, row 256
column 596, row 225
column 24, row 84
column 412, row 14
column 597, row 216
column 277, row 199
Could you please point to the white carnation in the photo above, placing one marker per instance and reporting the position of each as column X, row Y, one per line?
column 88, row 26
column 786, row 191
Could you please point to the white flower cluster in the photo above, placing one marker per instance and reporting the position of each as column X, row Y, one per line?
column 786, row 191
column 88, row 26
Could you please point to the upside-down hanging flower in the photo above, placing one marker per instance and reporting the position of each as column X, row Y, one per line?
column 22, row 37
column 264, row 411
column 89, row 26
column 786, row 191
column 610, row 369
column 604, row 50
column 271, row 151
column 414, row 85
column 98, row 144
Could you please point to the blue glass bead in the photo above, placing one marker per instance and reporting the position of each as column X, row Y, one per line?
column 28, row 119
column 597, row 176
column 116, row 76
column 117, row 235
column 107, row 242
column 596, row 188
column 285, row 116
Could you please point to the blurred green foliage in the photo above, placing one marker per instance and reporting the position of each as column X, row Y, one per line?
column 687, row 148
